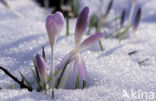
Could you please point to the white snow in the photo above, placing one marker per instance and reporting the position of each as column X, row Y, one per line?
column 109, row 73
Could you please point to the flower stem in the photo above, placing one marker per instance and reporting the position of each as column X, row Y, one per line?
column 100, row 44
column 67, row 26
column 53, row 71
column 77, row 82
column 45, row 88
column 84, row 84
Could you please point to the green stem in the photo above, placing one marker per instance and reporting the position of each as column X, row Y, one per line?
column 100, row 44
column 67, row 26
column 45, row 88
column 84, row 84
column 61, row 75
column 77, row 82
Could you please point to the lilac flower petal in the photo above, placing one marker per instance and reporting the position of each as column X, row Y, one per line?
column 41, row 66
column 4, row 3
column 79, row 68
column 81, row 25
column 67, row 58
column 91, row 40
column 109, row 7
column 123, row 15
column 54, row 25
column 137, row 19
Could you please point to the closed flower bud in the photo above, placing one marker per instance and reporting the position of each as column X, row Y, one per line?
column 54, row 25
column 41, row 67
column 137, row 20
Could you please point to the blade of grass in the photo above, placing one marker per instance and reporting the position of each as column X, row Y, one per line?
column 84, row 84
column 124, row 32
column 37, row 73
column 27, row 82
column 140, row 62
column 131, row 53
column 77, row 82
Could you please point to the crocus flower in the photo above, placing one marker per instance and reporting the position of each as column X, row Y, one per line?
column 41, row 67
column 109, row 7
column 137, row 19
column 122, row 18
column 134, row 2
column 54, row 25
column 74, row 55
column 4, row 3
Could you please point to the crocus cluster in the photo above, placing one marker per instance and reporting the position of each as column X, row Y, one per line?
column 54, row 25
column 137, row 17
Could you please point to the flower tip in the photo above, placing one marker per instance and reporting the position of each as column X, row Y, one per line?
column 81, row 24
column 41, row 67
column 54, row 25
column 122, row 18
column 137, row 19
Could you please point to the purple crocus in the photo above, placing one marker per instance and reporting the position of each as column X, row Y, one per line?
column 41, row 67
column 4, row 3
column 54, row 25
column 74, row 55
column 137, row 19
column 81, row 25
column 134, row 2
column 123, row 15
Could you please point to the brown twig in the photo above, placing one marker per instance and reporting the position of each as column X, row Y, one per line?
column 22, row 85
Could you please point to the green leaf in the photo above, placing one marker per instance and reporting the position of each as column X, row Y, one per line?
column 49, row 78
column 131, row 53
column 84, row 84
column 92, row 22
column 41, row 85
column 123, row 32
column 27, row 82
column 37, row 73
column 140, row 62
column 12, row 86
column 77, row 82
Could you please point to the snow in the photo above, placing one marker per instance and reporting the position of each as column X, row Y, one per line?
column 108, row 72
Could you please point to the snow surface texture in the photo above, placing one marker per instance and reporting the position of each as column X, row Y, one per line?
column 109, row 72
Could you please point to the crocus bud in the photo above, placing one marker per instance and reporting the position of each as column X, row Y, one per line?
column 91, row 40
column 109, row 7
column 41, row 67
column 54, row 25
column 81, row 25
column 122, row 18
column 137, row 19
column 4, row 3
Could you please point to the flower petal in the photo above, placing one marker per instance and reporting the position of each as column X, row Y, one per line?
column 91, row 40
column 79, row 68
column 137, row 19
column 66, row 59
column 4, row 3
column 54, row 25
column 123, row 15
column 41, row 66
column 81, row 25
